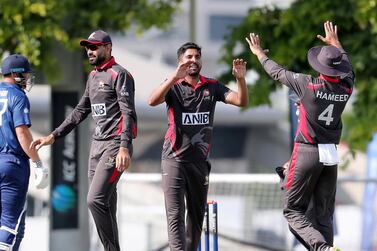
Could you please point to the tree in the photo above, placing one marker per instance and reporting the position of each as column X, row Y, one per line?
column 289, row 33
column 30, row 27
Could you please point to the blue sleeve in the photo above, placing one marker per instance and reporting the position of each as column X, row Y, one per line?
column 21, row 111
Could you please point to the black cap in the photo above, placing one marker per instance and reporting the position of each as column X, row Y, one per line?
column 328, row 60
column 15, row 63
column 97, row 37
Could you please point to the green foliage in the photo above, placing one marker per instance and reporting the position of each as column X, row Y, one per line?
column 30, row 27
column 289, row 33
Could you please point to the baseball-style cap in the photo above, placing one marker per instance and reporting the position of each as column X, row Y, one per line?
column 329, row 61
column 15, row 63
column 98, row 37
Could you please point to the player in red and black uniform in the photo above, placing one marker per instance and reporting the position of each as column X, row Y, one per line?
column 190, row 100
column 313, row 169
column 109, row 97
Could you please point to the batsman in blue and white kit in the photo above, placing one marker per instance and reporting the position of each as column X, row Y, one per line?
column 15, row 139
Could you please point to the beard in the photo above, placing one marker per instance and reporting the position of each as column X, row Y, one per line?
column 194, row 70
column 96, row 60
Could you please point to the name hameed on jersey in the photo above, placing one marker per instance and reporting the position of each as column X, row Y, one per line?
column 332, row 97
column 200, row 118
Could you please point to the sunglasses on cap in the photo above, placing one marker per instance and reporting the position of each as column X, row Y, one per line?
column 94, row 47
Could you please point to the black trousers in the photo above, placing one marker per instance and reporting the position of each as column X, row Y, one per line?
column 185, row 182
column 310, row 198
column 102, row 194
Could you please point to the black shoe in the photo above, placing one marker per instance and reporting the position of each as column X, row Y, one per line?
column 280, row 171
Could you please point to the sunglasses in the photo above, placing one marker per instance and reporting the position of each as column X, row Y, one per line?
column 93, row 47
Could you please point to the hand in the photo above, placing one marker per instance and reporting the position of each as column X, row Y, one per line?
column 181, row 71
column 286, row 168
column 254, row 44
column 239, row 68
column 38, row 143
column 123, row 159
column 297, row 105
column 41, row 174
column 331, row 37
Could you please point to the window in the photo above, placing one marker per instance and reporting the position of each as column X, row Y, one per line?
column 228, row 142
column 220, row 25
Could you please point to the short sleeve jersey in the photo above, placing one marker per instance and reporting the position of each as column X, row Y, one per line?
column 14, row 112
column 322, row 101
column 190, row 119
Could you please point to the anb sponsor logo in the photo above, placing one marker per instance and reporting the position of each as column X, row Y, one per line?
column 99, row 109
column 200, row 118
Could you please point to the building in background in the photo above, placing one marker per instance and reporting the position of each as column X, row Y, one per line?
column 205, row 22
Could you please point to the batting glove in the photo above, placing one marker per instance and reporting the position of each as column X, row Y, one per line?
column 40, row 174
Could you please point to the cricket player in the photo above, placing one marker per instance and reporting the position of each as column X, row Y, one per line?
column 313, row 168
column 15, row 139
column 190, row 101
column 109, row 98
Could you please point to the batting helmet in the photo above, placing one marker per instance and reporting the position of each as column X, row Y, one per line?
column 15, row 63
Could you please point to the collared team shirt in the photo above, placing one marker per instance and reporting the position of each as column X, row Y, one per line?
column 14, row 112
column 190, row 111
column 109, row 97
column 322, row 101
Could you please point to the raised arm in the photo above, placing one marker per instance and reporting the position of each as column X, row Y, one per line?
column 276, row 71
column 331, row 38
column 293, row 80
column 241, row 97
column 331, row 35
column 158, row 95
column 254, row 45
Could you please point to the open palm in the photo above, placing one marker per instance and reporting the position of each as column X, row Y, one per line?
column 239, row 68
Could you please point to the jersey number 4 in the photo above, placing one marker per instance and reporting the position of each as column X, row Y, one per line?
column 326, row 115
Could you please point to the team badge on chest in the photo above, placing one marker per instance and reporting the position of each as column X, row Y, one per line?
column 206, row 94
column 101, row 85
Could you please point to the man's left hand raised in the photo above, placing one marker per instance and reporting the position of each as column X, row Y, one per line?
column 239, row 68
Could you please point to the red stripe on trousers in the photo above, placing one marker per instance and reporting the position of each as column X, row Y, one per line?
column 292, row 167
column 114, row 176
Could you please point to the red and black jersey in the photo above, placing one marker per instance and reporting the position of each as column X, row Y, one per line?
column 322, row 101
column 190, row 118
column 109, row 96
